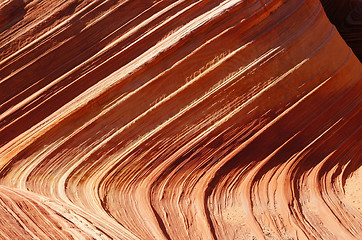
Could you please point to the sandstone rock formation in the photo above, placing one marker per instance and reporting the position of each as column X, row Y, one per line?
column 177, row 120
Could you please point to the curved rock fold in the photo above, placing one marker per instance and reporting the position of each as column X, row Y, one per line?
column 178, row 120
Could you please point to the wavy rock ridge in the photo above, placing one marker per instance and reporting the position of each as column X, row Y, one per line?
column 177, row 120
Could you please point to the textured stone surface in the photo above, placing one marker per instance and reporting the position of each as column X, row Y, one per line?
column 177, row 120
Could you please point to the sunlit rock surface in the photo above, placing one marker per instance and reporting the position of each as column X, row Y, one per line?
column 177, row 120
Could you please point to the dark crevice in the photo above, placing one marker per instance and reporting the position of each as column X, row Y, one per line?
column 346, row 15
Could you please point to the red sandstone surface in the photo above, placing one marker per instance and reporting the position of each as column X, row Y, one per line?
column 177, row 120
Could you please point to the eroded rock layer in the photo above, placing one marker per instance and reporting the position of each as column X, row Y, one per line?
column 177, row 120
